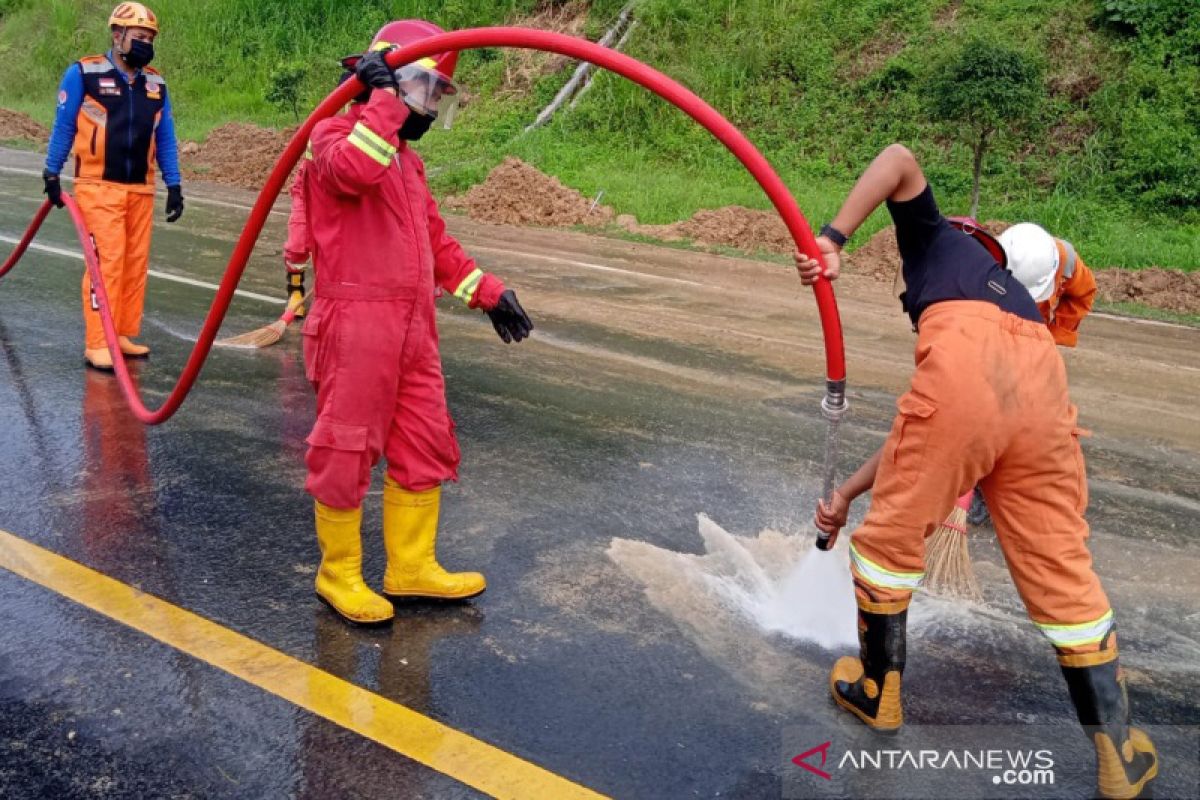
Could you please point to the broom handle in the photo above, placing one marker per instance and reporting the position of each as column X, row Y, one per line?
column 289, row 315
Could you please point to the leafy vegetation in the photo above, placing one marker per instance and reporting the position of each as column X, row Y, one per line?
column 1110, row 159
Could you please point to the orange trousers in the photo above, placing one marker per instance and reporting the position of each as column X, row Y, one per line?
column 988, row 405
column 120, row 218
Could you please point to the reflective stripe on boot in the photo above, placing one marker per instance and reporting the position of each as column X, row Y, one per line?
column 339, row 578
column 1126, row 761
column 410, row 523
column 869, row 686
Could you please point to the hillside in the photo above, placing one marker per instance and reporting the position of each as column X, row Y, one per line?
column 1112, row 159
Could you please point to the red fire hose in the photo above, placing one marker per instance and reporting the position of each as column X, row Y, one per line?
column 581, row 49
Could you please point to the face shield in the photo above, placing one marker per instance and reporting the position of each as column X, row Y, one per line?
column 427, row 91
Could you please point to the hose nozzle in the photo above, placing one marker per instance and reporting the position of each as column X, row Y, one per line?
column 833, row 408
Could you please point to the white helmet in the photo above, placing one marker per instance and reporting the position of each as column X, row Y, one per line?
column 1032, row 258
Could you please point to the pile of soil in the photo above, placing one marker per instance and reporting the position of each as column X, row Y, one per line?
column 15, row 125
column 1167, row 289
column 237, row 153
column 732, row 226
column 516, row 193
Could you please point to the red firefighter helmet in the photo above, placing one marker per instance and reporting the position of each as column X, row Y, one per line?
column 427, row 85
column 408, row 31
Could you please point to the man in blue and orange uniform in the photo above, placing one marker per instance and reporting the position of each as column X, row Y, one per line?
column 114, row 115
column 381, row 254
column 987, row 405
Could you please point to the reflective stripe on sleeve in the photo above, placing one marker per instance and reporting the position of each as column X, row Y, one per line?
column 466, row 289
column 371, row 143
column 876, row 575
column 1079, row 634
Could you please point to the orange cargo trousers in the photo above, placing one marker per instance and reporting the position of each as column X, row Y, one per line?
column 120, row 218
column 988, row 405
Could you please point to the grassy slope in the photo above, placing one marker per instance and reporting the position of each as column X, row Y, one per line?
column 819, row 85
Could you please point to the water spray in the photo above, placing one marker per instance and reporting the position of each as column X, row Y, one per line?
column 833, row 408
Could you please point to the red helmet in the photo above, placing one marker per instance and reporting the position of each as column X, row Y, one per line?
column 408, row 31
column 971, row 227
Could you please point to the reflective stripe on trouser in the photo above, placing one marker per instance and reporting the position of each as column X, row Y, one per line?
column 380, row 392
column 121, row 219
column 988, row 404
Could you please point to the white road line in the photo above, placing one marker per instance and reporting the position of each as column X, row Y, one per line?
column 166, row 276
column 191, row 198
column 587, row 265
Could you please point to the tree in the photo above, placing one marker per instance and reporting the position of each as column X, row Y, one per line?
column 986, row 88
column 284, row 89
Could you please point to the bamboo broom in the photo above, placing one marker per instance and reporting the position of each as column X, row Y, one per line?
column 948, row 570
column 268, row 334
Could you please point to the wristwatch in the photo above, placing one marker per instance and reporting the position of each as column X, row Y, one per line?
column 834, row 235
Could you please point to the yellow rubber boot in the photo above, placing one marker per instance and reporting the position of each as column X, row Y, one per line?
column 295, row 293
column 339, row 580
column 410, row 523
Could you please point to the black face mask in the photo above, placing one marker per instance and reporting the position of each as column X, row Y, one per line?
column 415, row 126
column 139, row 54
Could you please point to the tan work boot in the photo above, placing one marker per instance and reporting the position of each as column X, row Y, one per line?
column 869, row 686
column 1126, row 761
column 339, row 579
column 132, row 349
column 410, row 523
column 98, row 358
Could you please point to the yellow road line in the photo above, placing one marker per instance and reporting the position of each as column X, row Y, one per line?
column 450, row 752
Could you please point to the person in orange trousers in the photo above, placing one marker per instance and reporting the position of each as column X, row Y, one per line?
column 115, row 117
column 987, row 405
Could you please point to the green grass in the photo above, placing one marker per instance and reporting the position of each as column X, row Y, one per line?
column 1113, row 163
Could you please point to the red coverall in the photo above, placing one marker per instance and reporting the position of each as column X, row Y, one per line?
column 381, row 253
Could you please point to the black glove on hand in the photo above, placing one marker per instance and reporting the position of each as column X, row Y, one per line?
column 509, row 319
column 174, row 203
column 374, row 72
column 53, row 188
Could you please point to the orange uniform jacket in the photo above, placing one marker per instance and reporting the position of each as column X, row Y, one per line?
column 1074, row 294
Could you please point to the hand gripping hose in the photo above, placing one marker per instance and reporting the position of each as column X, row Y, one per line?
column 834, row 403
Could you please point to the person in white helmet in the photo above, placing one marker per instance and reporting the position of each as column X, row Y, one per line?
column 1061, row 284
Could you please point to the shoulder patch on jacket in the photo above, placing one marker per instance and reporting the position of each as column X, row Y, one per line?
column 154, row 79
column 94, row 64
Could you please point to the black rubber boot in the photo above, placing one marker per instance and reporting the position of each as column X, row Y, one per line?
column 1126, row 762
column 869, row 686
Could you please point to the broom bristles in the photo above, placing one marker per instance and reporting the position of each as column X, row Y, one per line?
column 263, row 337
column 948, row 570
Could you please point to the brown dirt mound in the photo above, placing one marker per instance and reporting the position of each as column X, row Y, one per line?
column 1167, row 289
column 237, row 153
column 15, row 125
column 516, row 193
column 732, row 226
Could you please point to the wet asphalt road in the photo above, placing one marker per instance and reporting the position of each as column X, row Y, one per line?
column 563, row 662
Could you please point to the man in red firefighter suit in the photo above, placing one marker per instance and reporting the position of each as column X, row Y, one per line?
column 988, row 405
column 381, row 254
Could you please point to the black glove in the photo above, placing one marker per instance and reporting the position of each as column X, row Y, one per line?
column 174, row 202
column 53, row 188
column 509, row 319
column 374, row 72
